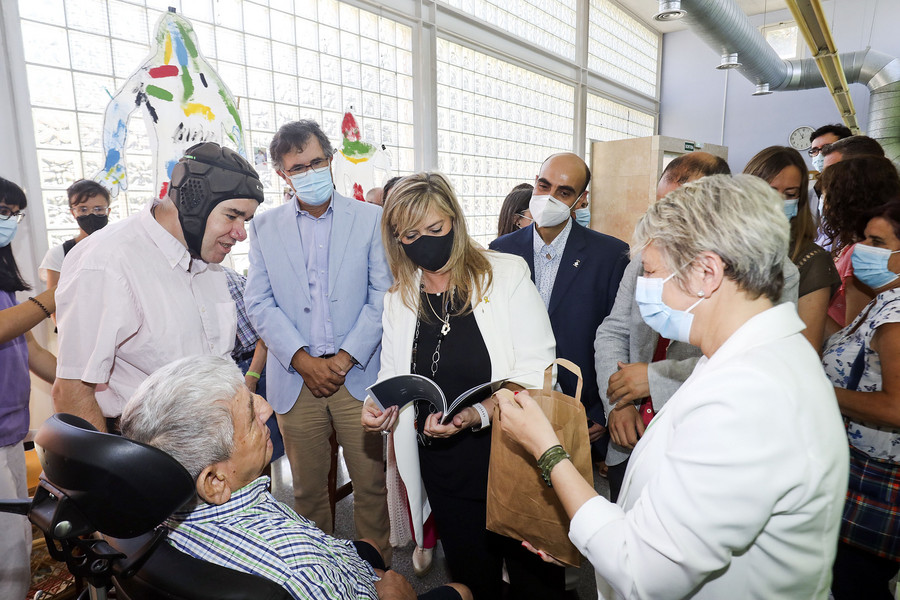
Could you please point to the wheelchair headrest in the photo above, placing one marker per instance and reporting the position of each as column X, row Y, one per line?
column 122, row 487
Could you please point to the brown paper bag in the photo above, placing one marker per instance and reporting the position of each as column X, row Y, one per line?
column 519, row 503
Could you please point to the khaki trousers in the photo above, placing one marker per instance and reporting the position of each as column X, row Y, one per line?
column 306, row 429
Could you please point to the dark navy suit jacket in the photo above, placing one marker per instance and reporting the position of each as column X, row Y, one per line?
column 583, row 294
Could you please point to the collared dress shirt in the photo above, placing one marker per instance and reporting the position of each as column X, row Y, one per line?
column 131, row 300
column 546, row 261
column 315, row 236
column 255, row 533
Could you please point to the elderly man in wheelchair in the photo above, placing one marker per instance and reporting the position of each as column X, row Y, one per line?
column 227, row 538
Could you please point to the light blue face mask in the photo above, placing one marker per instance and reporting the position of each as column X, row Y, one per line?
column 790, row 208
column 313, row 187
column 870, row 265
column 818, row 162
column 583, row 216
column 8, row 231
column 665, row 320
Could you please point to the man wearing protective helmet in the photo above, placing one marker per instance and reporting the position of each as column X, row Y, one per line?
column 150, row 289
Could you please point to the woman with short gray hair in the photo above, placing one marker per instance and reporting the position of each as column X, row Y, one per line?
column 736, row 487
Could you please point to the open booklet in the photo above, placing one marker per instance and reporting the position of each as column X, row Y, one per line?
column 400, row 390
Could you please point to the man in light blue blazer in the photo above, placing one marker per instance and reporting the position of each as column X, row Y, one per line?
column 315, row 288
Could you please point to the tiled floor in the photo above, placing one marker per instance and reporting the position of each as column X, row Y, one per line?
column 402, row 563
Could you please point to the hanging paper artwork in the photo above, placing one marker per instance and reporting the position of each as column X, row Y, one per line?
column 358, row 164
column 183, row 102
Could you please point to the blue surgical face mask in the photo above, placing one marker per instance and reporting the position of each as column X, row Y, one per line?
column 583, row 216
column 665, row 320
column 313, row 187
column 8, row 231
column 870, row 265
column 818, row 162
column 790, row 208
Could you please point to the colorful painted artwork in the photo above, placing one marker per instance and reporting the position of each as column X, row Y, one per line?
column 358, row 165
column 183, row 102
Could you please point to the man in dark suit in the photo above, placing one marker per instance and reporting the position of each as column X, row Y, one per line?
column 576, row 270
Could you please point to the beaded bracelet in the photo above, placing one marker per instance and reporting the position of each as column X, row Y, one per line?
column 549, row 459
column 43, row 308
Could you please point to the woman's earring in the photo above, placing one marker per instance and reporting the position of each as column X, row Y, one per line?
column 700, row 293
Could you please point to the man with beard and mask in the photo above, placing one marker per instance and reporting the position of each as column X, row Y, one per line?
column 576, row 270
column 89, row 205
column 149, row 289
column 314, row 294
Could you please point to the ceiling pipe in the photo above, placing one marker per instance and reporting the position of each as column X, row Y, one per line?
column 724, row 27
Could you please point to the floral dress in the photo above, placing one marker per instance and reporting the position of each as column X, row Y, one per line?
column 871, row 517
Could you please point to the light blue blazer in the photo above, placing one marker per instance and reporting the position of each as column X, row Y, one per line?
column 278, row 301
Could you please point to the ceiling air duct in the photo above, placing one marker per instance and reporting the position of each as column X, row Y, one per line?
column 724, row 27
column 669, row 10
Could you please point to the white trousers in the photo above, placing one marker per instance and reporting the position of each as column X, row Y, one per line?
column 15, row 530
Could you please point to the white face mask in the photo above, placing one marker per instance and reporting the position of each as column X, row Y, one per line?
column 547, row 211
column 818, row 162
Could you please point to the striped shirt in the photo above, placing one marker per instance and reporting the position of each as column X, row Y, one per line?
column 255, row 533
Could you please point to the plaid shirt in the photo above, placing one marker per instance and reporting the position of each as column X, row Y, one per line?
column 246, row 338
column 255, row 533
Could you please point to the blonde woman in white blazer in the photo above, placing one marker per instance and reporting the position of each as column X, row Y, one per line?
column 735, row 490
column 460, row 315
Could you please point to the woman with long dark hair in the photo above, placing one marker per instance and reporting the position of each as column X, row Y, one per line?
column 19, row 352
column 785, row 171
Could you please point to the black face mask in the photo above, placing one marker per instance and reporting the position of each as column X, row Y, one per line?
column 91, row 223
column 431, row 252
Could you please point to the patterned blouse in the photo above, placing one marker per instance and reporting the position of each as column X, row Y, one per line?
column 842, row 349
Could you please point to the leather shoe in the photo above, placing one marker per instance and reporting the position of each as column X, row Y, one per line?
column 422, row 560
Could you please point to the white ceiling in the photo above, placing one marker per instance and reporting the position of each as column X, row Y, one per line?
column 645, row 9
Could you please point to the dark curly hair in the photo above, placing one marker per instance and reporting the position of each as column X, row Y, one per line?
column 853, row 189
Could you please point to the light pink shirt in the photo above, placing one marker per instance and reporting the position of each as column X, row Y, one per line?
column 132, row 300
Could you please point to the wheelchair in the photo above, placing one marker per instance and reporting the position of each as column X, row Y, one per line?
column 100, row 504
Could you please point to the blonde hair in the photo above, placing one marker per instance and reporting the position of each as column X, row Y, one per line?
column 409, row 202
column 740, row 218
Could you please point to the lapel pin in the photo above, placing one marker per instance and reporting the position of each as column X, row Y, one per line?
column 576, row 263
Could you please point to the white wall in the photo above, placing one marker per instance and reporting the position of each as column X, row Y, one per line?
column 694, row 93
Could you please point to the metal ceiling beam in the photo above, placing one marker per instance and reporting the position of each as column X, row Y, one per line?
column 811, row 21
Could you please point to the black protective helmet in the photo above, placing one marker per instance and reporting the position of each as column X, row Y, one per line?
column 206, row 175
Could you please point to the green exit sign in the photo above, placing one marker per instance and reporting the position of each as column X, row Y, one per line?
column 689, row 146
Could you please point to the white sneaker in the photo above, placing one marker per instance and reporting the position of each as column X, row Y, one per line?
column 422, row 560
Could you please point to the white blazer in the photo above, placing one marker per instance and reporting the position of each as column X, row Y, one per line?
column 516, row 330
column 737, row 486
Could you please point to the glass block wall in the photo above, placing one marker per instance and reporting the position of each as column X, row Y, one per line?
column 496, row 119
column 622, row 48
column 496, row 123
column 549, row 24
column 280, row 60
column 607, row 121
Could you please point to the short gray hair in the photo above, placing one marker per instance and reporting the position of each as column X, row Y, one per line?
column 740, row 218
column 294, row 136
column 184, row 409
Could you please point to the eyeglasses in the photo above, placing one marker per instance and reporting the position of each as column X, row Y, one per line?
column 83, row 211
column 815, row 151
column 6, row 214
column 520, row 217
column 317, row 166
